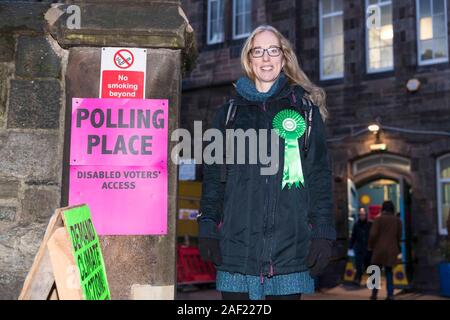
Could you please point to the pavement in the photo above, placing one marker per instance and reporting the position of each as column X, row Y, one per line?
column 341, row 292
column 346, row 292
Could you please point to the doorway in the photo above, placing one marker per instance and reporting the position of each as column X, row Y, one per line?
column 378, row 178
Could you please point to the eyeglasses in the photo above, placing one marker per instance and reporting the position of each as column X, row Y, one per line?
column 259, row 52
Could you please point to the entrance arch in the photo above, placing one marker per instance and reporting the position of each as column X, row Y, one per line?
column 382, row 165
column 377, row 166
column 379, row 177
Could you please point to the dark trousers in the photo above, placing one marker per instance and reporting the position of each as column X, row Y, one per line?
column 389, row 283
column 362, row 261
column 245, row 296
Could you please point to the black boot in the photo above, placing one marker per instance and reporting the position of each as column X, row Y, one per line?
column 374, row 294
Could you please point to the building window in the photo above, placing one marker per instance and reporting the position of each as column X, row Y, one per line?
column 242, row 18
column 215, row 32
column 379, row 36
column 432, row 39
column 443, row 191
column 331, row 39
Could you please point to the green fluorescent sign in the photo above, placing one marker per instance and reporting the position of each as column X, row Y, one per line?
column 88, row 254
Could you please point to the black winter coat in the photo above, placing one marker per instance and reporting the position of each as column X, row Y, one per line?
column 360, row 236
column 265, row 230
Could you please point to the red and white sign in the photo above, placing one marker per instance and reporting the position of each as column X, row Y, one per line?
column 123, row 73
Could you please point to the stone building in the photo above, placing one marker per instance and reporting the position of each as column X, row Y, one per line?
column 385, row 65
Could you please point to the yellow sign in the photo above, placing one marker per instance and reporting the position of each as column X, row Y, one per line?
column 349, row 274
column 365, row 199
column 399, row 274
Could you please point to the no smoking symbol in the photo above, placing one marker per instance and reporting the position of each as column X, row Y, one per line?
column 123, row 59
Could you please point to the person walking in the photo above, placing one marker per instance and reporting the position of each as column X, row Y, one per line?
column 359, row 243
column 384, row 242
column 270, row 235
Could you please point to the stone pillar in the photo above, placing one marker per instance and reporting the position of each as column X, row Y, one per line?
column 138, row 267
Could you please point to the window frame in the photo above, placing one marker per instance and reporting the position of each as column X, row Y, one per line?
column 421, row 62
column 208, row 23
column 442, row 228
column 385, row 69
column 243, row 35
column 383, row 160
column 321, row 45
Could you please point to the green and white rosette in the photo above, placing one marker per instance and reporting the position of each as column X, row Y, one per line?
column 290, row 126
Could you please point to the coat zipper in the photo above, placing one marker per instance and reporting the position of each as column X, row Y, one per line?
column 264, row 236
column 271, row 268
column 271, row 272
column 265, row 221
column 272, row 210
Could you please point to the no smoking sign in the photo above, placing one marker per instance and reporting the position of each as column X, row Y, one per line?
column 123, row 73
column 123, row 59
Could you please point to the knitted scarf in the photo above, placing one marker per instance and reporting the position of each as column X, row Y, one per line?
column 247, row 89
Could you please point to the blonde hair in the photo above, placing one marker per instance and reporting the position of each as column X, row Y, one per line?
column 291, row 68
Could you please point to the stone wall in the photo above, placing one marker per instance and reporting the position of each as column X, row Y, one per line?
column 31, row 138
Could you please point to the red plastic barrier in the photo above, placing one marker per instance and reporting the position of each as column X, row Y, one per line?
column 191, row 269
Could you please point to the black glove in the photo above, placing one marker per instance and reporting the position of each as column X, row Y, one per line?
column 319, row 256
column 210, row 250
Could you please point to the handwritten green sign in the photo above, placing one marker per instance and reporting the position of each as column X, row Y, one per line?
column 88, row 254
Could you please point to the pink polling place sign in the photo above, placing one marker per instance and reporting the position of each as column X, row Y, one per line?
column 118, row 163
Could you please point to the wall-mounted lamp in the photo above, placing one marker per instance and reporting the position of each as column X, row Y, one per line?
column 375, row 129
column 413, row 85
column 378, row 146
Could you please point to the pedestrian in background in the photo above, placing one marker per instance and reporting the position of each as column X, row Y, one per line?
column 384, row 242
column 359, row 243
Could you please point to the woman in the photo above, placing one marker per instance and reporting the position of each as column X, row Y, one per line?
column 276, row 231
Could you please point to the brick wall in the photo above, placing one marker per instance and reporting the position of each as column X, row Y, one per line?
column 354, row 101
